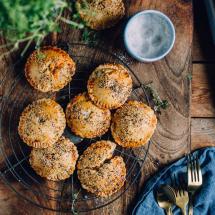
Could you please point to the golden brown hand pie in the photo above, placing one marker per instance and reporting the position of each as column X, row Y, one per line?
column 56, row 162
column 42, row 123
column 100, row 14
column 133, row 124
column 86, row 119
column 109, row 86
column 49, row 69
column 99, row 171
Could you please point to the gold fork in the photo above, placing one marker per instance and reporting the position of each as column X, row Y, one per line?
column 181, row 195
column 194, row 179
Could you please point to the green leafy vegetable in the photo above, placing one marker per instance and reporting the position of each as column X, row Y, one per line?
column 26, row 20
column 32, row 20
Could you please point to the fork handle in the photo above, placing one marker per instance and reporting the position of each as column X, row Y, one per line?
column 169, row 211
column 184, row 212
column 190, row 205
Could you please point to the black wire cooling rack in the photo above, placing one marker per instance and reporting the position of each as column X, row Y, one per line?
column 63, row 196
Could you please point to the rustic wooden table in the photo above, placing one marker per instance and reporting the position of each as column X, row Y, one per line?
column 172, row 138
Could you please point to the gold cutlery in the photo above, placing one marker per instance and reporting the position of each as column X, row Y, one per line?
column 194, row 179
column 163, row 201
column 181, row 195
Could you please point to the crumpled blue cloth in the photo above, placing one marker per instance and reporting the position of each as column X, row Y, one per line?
column 204, row 202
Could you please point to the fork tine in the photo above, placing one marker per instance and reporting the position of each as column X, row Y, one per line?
column 193, row 169
column 175, row 184
column 189, row 170
column 189, row 173
column 198, row 171
column 182, row 183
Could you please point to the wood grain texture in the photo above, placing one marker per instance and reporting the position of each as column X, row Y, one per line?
column 203, row 132
column 203, row 80
column 11, row 203
column 169, row 76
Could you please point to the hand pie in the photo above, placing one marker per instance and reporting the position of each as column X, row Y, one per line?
column 99, row 171
column 133, row 124
column 56, row 162
column 42, row 123
column 100, row 14
column 109, row 86
column 49, row 69
column 86, row 119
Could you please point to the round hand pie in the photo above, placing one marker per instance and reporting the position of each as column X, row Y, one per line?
column 49, row 69
column 133, row 124
column 56, row 162
column 99, row 171
column 42, row 123
column 109, row 86
column 86, row 119
column 100, row 14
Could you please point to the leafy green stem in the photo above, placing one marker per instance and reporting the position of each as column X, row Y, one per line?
column 158, row 103
column 74, row 24
column 74, row 200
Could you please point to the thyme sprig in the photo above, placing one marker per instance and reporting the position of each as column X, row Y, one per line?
column 189, row 77
column 90, row 37
column 74, row 200
column 158, row 103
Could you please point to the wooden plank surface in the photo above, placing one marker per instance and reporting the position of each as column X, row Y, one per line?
column 203, row 108
column 203, row 132
column 169, row 77
column 203, row 98
column 203, row 88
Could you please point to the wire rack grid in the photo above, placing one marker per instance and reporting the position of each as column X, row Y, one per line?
column 63, row 196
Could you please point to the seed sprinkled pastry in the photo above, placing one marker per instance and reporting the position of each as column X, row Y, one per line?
column 99, row 171
column 42, row 123
column 133, row 124
column 49, row 69
column 109, row 86
column 86, row 119
column 100, row 14
column 56, row 162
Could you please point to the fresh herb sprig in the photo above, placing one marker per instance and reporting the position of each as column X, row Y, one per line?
column 158, row 103
column 89, row 36
column 189, row 77
column 31, row 21
column 74, row 200
column 28, row 21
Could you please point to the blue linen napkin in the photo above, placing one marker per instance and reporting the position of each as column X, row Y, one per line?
column 204, row 202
